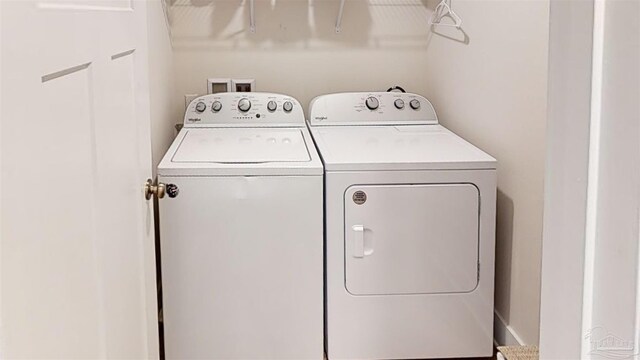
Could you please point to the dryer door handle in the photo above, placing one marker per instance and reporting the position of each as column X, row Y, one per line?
column 358, row 241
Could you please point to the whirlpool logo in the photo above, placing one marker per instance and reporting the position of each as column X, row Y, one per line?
column 320, row 118
column 194, row 119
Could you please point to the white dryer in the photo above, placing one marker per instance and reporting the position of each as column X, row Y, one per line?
column 410, row 230
column 242, row 232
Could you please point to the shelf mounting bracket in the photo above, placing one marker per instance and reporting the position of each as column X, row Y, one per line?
column 339, row 19
column 252, row 16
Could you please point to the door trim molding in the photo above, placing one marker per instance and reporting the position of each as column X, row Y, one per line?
column 597, row 64
column 590, row 296
column 566, row 178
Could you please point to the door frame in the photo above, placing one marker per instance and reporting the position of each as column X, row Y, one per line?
column 574, row 304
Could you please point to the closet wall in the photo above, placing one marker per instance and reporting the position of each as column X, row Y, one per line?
column 487, row 82
column 296, row 50
column 161, row 79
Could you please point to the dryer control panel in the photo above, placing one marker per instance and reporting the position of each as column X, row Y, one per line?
column 371, row 108
column 236, row 109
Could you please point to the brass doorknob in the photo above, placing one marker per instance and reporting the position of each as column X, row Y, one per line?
column 157, row 190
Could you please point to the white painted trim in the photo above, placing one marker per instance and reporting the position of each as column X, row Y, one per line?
column 636, row 335
column 2, row 340
column 594, row 170
column 583, row 135
column 503, row 333
column 566, row 175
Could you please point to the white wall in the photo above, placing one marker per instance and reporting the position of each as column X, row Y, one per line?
column 296, row 50
column 492, row 89
column 488, row 83
column 161, row 81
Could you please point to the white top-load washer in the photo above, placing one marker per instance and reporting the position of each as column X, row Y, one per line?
column 410, row 230
column 242, row 232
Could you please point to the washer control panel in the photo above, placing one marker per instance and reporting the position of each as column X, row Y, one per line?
column 236, row 109
column 371, row 108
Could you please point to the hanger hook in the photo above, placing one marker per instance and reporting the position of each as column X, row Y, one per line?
column 442, row 10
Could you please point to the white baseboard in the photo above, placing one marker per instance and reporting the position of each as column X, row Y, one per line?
column 503, row 334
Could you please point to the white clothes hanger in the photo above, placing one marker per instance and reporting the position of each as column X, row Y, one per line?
column 443, row 10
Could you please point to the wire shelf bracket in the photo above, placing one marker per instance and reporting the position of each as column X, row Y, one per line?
column 339, row 19
column 252, row 16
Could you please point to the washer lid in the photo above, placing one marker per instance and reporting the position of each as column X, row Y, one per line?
column 408, row 147
column 241, row 146
column 241, row 152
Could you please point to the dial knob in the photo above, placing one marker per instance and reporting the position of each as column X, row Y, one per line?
column 287, row 106
column 272, row 106
column 200, row 106
column 244, row 104
column 372, row 103
column 216, row 106
column 415, row 104
column 399, row 104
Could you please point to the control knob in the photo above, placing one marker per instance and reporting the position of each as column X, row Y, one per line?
column 287, row 106
column 200, row 106
column 216, row 106
column 372, row 103
column 244, row 104
column 399, row 104
column 272, row 106
column 415, row 104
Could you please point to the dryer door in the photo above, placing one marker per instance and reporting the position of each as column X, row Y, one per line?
column 411, row 239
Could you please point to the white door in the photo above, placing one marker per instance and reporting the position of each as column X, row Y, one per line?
column 411, row 239
column 77, row 250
